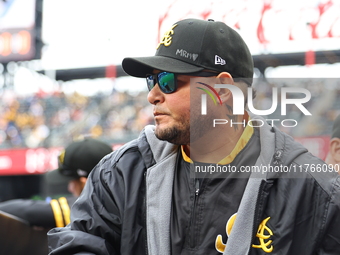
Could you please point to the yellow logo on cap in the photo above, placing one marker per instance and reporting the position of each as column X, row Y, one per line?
column 166, row 40
column 61, row 157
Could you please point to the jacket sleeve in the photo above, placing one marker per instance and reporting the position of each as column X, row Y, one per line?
column 92, row 224
column 330, row 245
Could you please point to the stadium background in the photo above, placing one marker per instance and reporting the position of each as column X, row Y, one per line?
column 70, row 84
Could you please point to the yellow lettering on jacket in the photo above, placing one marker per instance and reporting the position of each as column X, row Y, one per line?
column 266, row 246
column 219, row 245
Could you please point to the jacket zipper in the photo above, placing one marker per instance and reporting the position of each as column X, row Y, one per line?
column 144, row 218
column 256, row 222
column 193, row 214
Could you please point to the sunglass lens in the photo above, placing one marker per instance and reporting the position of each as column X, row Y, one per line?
column 167, row 82
column 150, row 82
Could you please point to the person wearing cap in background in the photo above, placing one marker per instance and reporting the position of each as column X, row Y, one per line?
column 154, row 195
column 333, row 155
column 75, row 164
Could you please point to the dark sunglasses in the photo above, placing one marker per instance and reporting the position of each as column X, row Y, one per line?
column 167, row 82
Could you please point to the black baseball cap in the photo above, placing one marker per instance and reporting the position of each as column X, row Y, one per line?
column 336, row 128
column 192, row 45
column 78, row 159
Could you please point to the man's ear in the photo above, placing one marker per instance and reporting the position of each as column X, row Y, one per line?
column 83, row 180
column 335, row 149
column 225, row 78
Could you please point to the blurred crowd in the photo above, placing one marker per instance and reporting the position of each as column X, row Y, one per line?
column 55, row 119
column 49, row 120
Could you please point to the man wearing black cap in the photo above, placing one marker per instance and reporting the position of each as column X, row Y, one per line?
column 75, row 164
column 333, row 156
column 185, row 185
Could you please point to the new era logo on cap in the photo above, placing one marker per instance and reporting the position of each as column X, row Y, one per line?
column 219, row 60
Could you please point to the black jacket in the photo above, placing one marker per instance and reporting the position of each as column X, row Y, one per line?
column 126, row 204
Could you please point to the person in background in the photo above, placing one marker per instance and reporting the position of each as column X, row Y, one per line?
column 75, row 164
column 333, row 156
column 187, row 186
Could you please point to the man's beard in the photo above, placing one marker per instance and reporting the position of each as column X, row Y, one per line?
column 174, row 135
column 186, row 133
